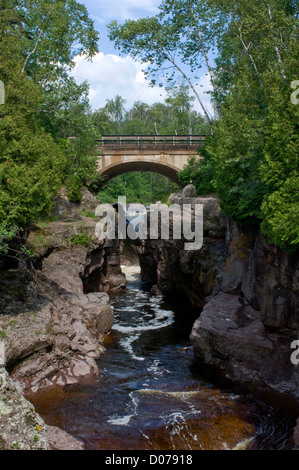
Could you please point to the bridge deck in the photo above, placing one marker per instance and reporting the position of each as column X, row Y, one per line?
column 151, row 142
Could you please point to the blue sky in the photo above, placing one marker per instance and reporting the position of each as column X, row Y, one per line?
column 109, row 74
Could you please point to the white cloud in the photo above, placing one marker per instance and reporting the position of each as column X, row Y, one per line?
column 109, row 75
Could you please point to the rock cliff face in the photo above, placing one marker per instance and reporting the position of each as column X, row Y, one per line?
column 52, row 332
column 248, row 291
column 20, row 427
column 53, row 319
column 102, row 268
column 168, row 267
column 247, row 329
column 97, row 263
column 267, row 278
column 52, row 323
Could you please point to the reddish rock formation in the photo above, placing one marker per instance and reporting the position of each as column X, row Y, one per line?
column 248, row 290
column 231, row 336
column 166, row 264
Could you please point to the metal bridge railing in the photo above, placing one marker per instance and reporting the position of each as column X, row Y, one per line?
column 150, row 142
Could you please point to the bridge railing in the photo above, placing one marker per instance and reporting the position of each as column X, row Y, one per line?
column 152, row 142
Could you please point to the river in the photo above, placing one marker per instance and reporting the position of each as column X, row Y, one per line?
column 150, row 393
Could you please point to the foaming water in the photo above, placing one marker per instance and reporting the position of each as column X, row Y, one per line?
column 150, row 395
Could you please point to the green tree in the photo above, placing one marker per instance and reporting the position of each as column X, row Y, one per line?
column 115, row 109
column 43, row 107
column 156, row 41
column 31, row 163
column 55, row 32
column 102, row 123
column 280, row 173
column 65, row 113
column 254, row 70
column 184, row 119
column 201, row 172
column 252, row 159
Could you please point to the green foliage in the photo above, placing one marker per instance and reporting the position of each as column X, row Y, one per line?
column 65, row 114
column 142, row 187
column 252, row 160
column 6, row 234
column 255, row 150
column 102, row 123
column 54, row 33
column 280, row 174
column 31, row 163
column 175, row 116
column 201, row 172
column 38, row 41
column 167, row 40
column 115, row 111
column 74, row 185
column 84, row 239
column 88, row 214
column 281, row 215
column 236, row 151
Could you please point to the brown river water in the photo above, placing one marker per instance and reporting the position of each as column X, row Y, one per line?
column 151, row 393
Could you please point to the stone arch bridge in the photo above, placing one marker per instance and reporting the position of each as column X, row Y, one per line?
column 166, row 155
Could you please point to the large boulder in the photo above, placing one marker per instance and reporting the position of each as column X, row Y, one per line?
column 55, row 338
column 63, row 207
column 189, row 191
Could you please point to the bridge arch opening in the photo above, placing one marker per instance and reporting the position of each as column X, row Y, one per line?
column 141, row 166
column 143, row 187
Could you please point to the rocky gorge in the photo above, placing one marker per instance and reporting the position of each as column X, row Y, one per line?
column 248, row 291
column 54, row 317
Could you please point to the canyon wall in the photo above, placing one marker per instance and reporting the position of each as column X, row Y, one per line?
column 248, row 292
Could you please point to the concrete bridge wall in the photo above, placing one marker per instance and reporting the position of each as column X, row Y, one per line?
column 118, row 155
column 165, row 163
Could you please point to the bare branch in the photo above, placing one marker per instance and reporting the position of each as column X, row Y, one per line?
column 276, row 47
column 240, row 36
column 192, row 87
column 33, row 51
